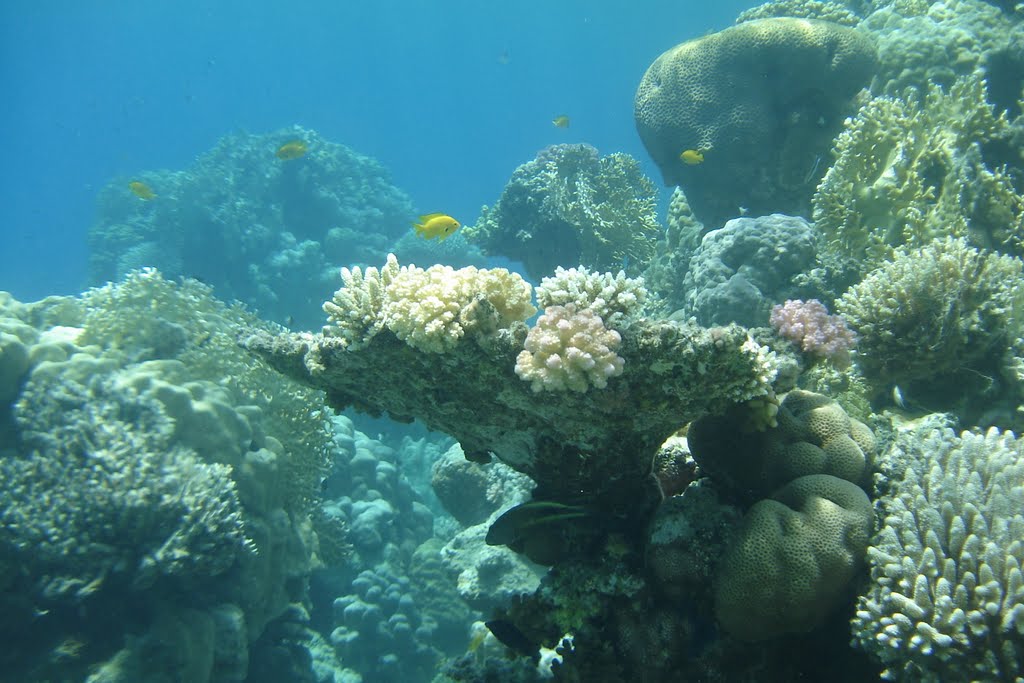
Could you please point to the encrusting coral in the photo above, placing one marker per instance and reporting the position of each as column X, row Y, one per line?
column 946, row 598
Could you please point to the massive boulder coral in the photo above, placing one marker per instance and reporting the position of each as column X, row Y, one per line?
column 761, row 101
column 946, row 598
column 914, row 169
column 600, row 442
column 570, row 205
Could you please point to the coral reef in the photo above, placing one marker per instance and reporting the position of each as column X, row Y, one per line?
column 914, row 169
column 571, row 206
column 671, row 374
column 257, row 228
column 738, row 270
column 569, row 349
column 833, row 12
column 946, row 599
column 156, row 520
column 923, row 44
column 940, row 322
column 762, row 101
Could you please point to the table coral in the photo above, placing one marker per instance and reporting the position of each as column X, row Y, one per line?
column 601, row 442
column 570, row 205
column 762, row 101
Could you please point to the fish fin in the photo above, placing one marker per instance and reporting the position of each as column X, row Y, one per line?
column 428, row 216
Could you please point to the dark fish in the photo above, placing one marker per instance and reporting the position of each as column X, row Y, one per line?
column 516, row 523
column 509, row 635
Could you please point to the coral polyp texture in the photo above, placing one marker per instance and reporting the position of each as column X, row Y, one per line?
column 569, row 349
column 670, row 373
column 946, row 599
column 941, row 320
column 570, row 205
column 615, row 298
column 430, row 309
column 809, row 325
column 761, row 101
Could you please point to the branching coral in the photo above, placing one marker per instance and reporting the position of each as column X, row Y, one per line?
column 570, row 205
column 910, row 170
column 430, row 309
column 946, row 601
column 569, row 349
column 613, row 298
column 933, row 311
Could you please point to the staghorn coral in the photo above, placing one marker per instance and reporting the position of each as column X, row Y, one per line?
column 762, row 100
column 569, row 349
column 613, row 298
column 946, row 598
column 570, row 205
column 939, row 320
column 910, row 170
column 430, row 309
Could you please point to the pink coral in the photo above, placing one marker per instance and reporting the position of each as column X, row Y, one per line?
column 808, row 324
column 569, row 349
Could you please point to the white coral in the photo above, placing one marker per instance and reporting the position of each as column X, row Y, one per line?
column 356, row 312
column 612, row 297
column 947, row 594
column 569, row 349
column 432, row 309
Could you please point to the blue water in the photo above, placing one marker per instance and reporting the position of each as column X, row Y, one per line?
column 450, row 95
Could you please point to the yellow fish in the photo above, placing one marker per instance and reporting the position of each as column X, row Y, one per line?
column 293, row 149
column 439, row 225
column 561, row 121
column 692, row 157
column 141, row 190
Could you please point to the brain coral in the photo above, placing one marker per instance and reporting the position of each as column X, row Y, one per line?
column 790, row 562
column 762, row 100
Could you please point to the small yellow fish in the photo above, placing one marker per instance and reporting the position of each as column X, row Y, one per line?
column 561, row 121
column 293, row 149
column 141, row 190
column 692, row 157
column 439, row 225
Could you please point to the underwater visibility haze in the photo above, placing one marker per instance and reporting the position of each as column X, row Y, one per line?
column 467, row 342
